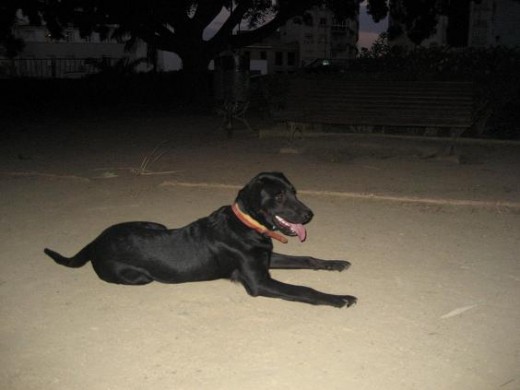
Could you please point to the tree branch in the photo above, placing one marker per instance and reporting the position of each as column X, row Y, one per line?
column 207, row 11
column 286, row 10
column 233, row 20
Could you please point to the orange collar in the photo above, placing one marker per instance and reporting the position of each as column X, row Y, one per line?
column 255, row 225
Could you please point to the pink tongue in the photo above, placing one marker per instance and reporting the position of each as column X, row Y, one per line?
column 299, row 230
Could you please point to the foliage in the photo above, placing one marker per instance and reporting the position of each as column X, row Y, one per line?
column 439, row 62
column 137, row 93
column 11, row 46
column 121, row 67
column 418, row 18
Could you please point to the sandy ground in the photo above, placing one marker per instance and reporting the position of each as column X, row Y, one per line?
column 438, row 283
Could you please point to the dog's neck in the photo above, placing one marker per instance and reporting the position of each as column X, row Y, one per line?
column 255, row 225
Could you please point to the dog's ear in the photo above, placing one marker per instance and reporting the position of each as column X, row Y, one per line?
column 248, row 197
column 271, row 176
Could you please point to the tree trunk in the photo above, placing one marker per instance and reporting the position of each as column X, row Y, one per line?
column 195, row 60
column 196, row 80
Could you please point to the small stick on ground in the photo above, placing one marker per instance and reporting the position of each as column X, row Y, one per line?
column 156, row 154
column 151, row 158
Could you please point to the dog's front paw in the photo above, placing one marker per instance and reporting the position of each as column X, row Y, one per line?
column 344, row 300
column 349, row 300
column 337, row 265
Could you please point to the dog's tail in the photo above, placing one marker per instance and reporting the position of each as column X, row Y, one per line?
column 74, row 262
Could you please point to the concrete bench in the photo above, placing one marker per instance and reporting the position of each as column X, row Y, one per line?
column 410, row 104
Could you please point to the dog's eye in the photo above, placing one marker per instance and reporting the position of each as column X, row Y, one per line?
column 279, row 197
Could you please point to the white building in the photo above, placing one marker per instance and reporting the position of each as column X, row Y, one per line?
column 315, row 36
column 494, row 22
column 320, row 35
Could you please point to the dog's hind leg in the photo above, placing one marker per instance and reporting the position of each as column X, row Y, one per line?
column 121, row 274
column 279, row 261
column 76, row 261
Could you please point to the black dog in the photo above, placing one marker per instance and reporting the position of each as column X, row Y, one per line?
column 233, row 242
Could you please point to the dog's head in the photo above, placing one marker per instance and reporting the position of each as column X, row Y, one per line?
column 271, row 200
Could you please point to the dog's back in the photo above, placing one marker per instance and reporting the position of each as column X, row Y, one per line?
column 141, row 252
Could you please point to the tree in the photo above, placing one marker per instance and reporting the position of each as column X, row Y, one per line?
column 416, row 18
column 171, row 25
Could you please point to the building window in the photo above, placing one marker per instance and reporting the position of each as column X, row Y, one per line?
column 308, row 39
column 263, row 55
column 278, row 58
column 307, row 20
column 323, row 21
column 291, row 58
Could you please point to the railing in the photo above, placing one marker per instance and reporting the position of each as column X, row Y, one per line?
column 49, row 68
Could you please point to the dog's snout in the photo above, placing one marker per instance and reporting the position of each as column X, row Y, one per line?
column 307, row 215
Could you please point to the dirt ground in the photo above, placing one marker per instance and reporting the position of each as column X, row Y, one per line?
column 434, row 246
